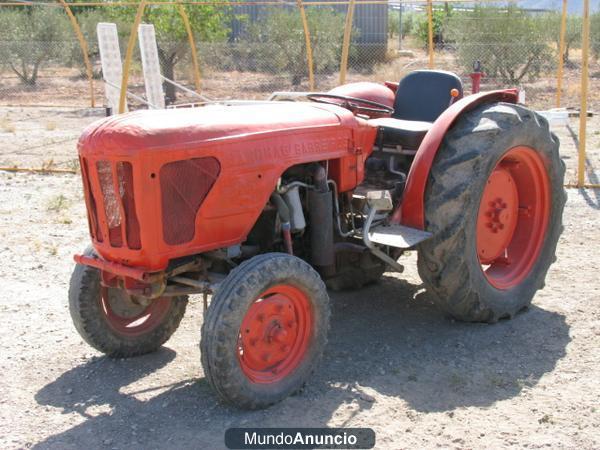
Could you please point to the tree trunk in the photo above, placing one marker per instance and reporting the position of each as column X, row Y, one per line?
column 167, row 65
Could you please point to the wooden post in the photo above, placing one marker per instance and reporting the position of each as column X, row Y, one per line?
column 430, row 32
column 346, row 42
column 585, row 50
column 84, row 49
column 309, row 54
column 188, row 29
column 129, row 55
column 561, row 53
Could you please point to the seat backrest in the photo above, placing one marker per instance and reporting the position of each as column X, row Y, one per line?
column 424, row 94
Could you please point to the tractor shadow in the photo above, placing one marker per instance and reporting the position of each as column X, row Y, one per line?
column 400, row 344
column 386, row 339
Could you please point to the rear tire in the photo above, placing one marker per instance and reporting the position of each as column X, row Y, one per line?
column 117, row 335
column 265, row 330
column 501, row 145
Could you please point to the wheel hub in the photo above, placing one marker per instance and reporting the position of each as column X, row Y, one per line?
column 128, row 317
column 274, row 334
column 123, row 304
column 498, row 215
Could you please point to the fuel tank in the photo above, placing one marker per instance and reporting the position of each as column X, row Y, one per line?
column 163, row 184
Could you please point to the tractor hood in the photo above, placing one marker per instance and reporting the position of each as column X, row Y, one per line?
column 184, row 127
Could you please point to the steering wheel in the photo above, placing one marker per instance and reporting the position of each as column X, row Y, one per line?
column 351, row 103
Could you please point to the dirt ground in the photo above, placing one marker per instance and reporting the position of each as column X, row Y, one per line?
column 393, row 362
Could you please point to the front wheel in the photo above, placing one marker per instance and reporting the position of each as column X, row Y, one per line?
column 494, row 203
column 118, row 324
column 265, row 330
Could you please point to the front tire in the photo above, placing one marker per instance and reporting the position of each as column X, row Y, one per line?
column 265, row 330
column 113, row 323
column 494, row 203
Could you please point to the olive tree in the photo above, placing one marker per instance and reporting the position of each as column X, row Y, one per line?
column 440, row 18
column 278, row 41
column 595, row 34
column 30, row 38
column 208, row 23
column 572, row 33
column 511, row 44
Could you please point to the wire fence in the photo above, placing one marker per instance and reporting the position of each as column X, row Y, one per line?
column 247, row 50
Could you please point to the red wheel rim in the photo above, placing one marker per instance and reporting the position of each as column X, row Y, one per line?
column 513, row 217
column 128, row 318
column 275, row 334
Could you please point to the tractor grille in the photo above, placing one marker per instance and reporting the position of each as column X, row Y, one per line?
column 117, row 203
column 111, row 203
column 95, row 229
column 132, row 225
column 184, row 185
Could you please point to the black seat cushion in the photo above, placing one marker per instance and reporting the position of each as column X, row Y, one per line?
column 425, row 94
column 406, row 133
column 421, row 97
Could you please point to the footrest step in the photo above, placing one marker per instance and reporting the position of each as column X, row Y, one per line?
column 397, row 236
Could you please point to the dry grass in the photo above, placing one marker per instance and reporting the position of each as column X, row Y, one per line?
column 50, row 125
column 6, row 125
column 58, row 203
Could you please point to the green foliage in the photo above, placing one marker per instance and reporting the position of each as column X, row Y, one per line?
column 440, row 19
column 278, row 43
column 408, row 23
column 88, row 20
column 595, row 34
column 30, row 38
column 511, row 44
column 208, row 23
column 572, row 32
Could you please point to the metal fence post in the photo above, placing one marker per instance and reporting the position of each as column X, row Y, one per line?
column 346, row 42
column 129, row 55
column 188, row 29
column 585, row 50
column 309, row 54
column 430, row 32
column 84, row 50
column 561, row 53
column 400, row 30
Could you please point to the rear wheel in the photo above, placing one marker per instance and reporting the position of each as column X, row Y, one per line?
column 116, row 323
column 265, row 330
column 494, row 204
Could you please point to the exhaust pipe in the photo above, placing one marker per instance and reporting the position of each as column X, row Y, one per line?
column 320, row 202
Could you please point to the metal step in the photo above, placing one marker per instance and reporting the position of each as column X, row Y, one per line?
column 397, row 236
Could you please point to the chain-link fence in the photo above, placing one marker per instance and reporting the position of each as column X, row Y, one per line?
column 247, row 50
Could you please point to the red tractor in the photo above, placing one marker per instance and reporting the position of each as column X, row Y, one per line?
column 261, row 205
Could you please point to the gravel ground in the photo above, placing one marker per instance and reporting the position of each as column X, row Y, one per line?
column 393, row 363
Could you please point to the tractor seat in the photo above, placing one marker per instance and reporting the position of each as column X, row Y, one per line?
column 421, row 97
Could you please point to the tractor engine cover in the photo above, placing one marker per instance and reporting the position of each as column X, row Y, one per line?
column 161, row 184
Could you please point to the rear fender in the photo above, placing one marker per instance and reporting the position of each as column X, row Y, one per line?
column 411, row 212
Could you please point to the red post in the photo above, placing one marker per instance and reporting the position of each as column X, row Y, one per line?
column 476, row 77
